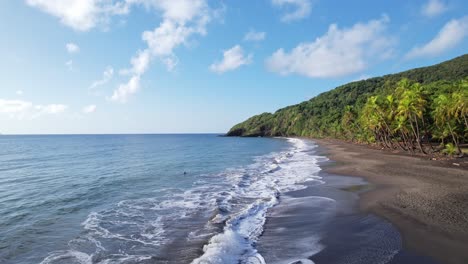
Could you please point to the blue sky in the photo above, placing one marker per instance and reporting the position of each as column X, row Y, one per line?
column 191, row 66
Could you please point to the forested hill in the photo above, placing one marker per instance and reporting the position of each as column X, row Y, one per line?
column 340, row 113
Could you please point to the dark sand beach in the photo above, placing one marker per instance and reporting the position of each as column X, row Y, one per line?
column 323, row 224
column 426, row 200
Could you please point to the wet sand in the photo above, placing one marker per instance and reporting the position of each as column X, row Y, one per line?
column 323, row 224
column 426, row 200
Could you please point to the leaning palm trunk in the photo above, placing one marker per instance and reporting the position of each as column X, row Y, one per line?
column 418, row 136
column 455, row 140
column 388, row 143
column 466, row 122
column 399, row 143
column 415, row 130
column 426, row 135
column 407, row 142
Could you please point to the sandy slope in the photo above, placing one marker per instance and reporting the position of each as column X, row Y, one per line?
column 427, row 200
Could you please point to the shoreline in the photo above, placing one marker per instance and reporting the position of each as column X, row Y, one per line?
column 426, row 201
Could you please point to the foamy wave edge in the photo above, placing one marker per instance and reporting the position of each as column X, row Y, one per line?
column 237, row 242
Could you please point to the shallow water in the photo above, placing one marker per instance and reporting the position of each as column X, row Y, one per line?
column 175, row 199
column 126, row 199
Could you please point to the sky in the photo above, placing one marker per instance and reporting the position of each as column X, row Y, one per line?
column 201, row 66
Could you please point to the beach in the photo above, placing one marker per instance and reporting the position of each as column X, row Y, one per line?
column 426, row 200
column 242, row 200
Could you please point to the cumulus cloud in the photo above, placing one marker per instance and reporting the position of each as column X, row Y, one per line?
column 338, row 53
column 140, row 64
column 433, row 8
column 451, row 34
column 81, row 15
column 300, row 9
column 233, row 58
column 20, row 109
column 72, row 48
column 106, row 77
column 125, row 90
column 253, row 35
column 181, row 20
column 89, row 109
column 19, row 92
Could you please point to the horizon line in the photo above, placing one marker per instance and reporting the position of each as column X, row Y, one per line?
column 104, row 134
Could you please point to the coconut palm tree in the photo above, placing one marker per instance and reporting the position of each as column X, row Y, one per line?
column 444, row 118
column 411, row 107
column 459, row 107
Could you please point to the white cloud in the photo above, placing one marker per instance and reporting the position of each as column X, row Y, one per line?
column 339, row 52
column 362, row 77
column 301, row 9
column 19, row 92
column 451, row 34
column 163, row 39
column 69, row 65
column 81, row 15
column 51, row 109
column 433, row 8
column 181, row 20
column 89, row 109
column 20, row 109
column 253, row 35
column 72, row 48
column 13, row 106
column 181, row 11
column 140, row 64
column 125, row 90
column 106, row 77
column 233, row 58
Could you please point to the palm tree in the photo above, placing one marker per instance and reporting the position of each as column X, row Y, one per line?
column 443, row 115
column 411, row 107
column 347, row 122
column 369, row 118
column 459, row 107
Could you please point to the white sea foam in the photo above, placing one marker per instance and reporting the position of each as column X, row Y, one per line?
column 237, row 198
column 68, row 256
column 279, row 173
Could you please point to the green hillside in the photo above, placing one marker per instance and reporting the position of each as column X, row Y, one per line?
column 405, row 110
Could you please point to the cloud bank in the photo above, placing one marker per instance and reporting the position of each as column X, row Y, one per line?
column 339, row 52
column 20, row 109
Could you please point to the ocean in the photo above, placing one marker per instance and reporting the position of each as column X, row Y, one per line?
column 171, row 199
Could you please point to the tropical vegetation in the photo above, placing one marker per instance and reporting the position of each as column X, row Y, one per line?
column 422, row 110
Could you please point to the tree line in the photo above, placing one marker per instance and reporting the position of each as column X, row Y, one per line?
column 420, row 110
column 412, row 117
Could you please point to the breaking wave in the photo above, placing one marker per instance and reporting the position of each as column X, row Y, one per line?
column 223, row 214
